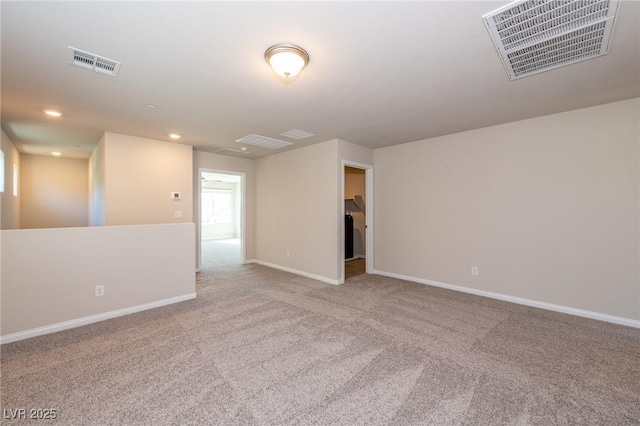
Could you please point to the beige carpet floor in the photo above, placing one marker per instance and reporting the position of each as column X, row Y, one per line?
column 265, row 347
column 220, row 254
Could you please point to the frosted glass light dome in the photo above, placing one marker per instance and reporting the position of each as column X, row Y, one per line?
column 286, row 60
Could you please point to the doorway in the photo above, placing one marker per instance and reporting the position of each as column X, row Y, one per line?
column 221, row 221
column 357, row 225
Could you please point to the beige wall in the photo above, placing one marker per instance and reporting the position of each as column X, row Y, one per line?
column 547, row 209
column 351, row 152
column 139, row 176
column 207, row 160
column 97, row 184
column 354, row 184
column 141, row 266
column 297, row 210
column 55, row 192
column 294, row 203
column 10, row 205
column 49, row 275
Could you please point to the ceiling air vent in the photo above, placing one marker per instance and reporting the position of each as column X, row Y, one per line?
column 297, row 134
column 93, row 62
column 533, row 36
column 263, row 142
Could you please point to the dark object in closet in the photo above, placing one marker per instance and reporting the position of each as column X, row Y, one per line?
column 348, row 236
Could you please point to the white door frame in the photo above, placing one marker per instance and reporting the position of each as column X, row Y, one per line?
column 368, row 216
column 243, row 211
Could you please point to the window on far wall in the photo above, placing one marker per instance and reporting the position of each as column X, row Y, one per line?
column 216, row 206
column 1, row 171
column 15, row 180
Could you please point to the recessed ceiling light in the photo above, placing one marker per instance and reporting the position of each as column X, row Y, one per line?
column 56, row 154
column 174, row 136
column 152, row 106
column 52, row 112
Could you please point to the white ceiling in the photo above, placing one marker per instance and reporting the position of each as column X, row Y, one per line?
column 380, row 73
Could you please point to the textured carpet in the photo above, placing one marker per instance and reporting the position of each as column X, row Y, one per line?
column 264, row 347
column 220, row 254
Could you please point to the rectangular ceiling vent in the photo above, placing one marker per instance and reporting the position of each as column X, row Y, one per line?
column 533, row 36
column 263, row 142
column 93, row 62
column 297, row 134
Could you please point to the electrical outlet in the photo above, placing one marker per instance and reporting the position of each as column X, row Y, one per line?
column 474, row 270
column 99, row 290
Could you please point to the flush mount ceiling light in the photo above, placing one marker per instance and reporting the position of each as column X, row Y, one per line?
column 52, row 113
column 174, row 136
column 286, row 60
column 56, row 153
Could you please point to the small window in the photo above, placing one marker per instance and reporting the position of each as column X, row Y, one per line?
column 15, row 180
column 216, row 207
column 1, row 171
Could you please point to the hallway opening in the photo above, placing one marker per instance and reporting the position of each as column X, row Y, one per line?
column 221, row 219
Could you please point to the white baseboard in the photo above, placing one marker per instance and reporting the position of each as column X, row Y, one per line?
column 295, row 271
column 519, row 300
column 47, row 329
